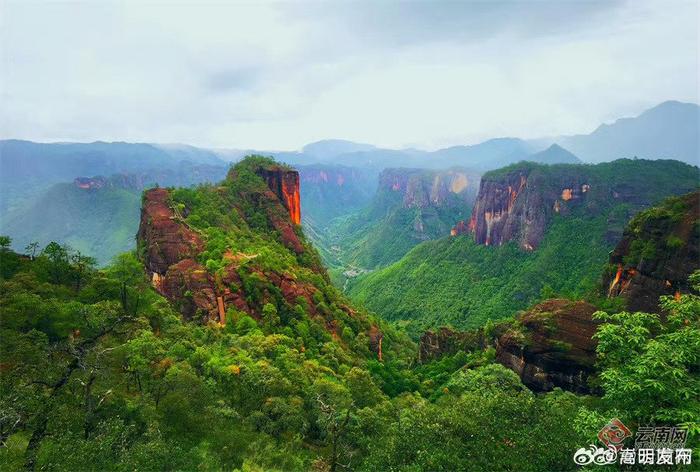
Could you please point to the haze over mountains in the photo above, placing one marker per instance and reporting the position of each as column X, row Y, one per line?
column 338, row 176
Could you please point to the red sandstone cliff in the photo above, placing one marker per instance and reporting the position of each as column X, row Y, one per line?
column 518, row 203
column 518, row 206
column 658, row 251
column 171, row 251
column 285, row 184
column 554, row 347
column 169, row 248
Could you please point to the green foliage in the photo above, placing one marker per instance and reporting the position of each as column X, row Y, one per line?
column 649, row 367
column 130, row 386
column 456, row 281
column 99, row 222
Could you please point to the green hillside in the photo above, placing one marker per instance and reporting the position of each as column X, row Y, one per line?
column 409, row 207
column 98, row 222
column 457, row 281
column 102, row 372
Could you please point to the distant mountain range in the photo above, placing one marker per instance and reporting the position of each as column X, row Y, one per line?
column 338, row 176
column 670, row 130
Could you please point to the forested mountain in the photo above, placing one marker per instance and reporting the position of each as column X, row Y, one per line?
column 659, row 250
column 100, row 222
column 95, row 214
column 535, row 231
column 28, row 170
column 410, row 206
column 221, row 344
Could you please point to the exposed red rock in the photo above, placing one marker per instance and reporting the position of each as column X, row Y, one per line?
column 673, row 247
column 285, row 185
column 459, row 229
column 89, row 183
column 170, row 250
column 375, row 341
column 168, row 240
column 554, row 347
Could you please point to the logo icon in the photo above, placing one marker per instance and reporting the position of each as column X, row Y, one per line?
column 614, row 434
column 596, row 455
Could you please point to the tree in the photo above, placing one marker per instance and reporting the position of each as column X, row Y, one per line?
column 128, row 272
column 270, row 316
column 81, row 264
column 31, row 249
column 74, row 355
column 334, row 406
column 57, row 256
column 649, row 367
column 5, row 242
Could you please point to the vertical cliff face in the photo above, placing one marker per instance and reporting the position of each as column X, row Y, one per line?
column 167, row 240
column 221, row 252
column 552, row 347
column 285, row 184
column 420, row 188
column 659, row 250
column 517, row 203
column 169, row 249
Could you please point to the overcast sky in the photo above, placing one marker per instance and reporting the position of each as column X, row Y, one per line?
column 279, row 75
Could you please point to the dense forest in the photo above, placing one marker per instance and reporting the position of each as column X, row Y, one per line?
column 463, row 282
column 100, row 368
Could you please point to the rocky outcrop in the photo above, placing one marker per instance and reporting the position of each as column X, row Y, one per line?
column 285, row 185
column 230, row 284
column 518, row 203
column 169, row 249
column 552, row 346
column 517, row 206
column 89, row 183
column 166, row 240
column 658, row 251
column 420, row 188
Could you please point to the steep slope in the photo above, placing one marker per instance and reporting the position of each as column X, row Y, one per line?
column 98, row 221
column 95, row 215
column 410, row 206
column 669, row 130
column 236, row 249
column 552, row 345
column 517, row 203
column 541, row 242
column 658, row 252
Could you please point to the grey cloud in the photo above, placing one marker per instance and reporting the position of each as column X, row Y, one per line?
column 395, row 23
column 233, row 79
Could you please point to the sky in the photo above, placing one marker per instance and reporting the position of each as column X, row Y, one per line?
column 273, row 76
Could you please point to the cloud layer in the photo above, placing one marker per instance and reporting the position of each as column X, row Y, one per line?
column 278, row 75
